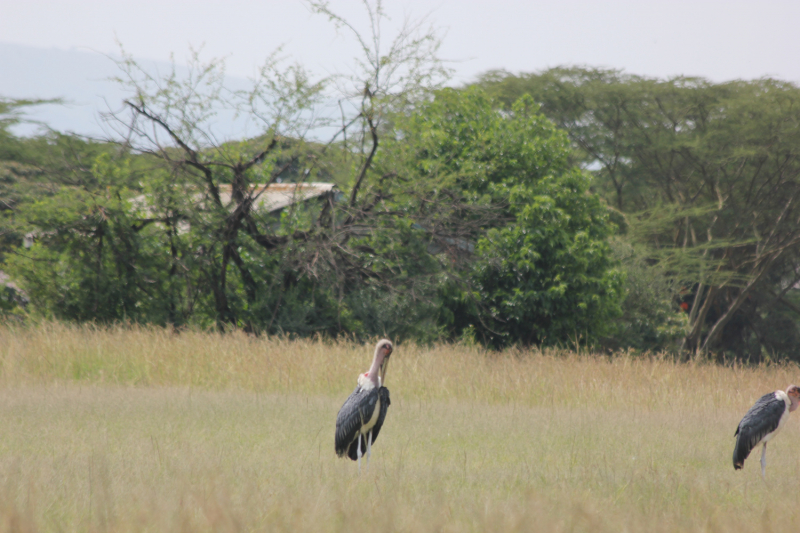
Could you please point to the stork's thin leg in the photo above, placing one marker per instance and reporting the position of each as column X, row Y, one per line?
column 764, row 462
column 358, row 453
column 369, row 448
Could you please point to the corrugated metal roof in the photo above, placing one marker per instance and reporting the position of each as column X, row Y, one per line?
column 280, row 195
column 276, row 197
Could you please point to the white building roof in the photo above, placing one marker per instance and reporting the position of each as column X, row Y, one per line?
column 280, row 195
column 274, row 198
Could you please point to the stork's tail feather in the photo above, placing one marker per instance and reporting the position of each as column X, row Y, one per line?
column 352, row 452
column 740, row 453
column 344, row 450
column 341, row 447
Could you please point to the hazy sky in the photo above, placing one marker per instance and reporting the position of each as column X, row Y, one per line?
column 719, row 39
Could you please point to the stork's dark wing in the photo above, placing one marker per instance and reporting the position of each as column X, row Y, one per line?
column 383, row 394
column 357, row 410
column 761, row 420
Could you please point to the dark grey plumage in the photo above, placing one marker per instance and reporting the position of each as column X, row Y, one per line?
column 761, row 420
column 357, row 411
column 358, row 424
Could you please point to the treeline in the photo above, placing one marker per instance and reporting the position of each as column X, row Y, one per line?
column 704, row 178
column 469, row 223
column 567, row 207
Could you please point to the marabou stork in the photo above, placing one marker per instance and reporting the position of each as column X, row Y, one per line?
column 762, row 422
column 361, row 417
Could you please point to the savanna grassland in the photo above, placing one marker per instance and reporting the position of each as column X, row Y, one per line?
column 136, row 429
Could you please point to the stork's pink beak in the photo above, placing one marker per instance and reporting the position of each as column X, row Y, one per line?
column 384, row 366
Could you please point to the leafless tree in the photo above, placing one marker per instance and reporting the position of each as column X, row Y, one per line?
column 174, row 119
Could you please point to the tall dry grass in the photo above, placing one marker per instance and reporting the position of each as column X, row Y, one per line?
column 134, row 429
column 144, row 356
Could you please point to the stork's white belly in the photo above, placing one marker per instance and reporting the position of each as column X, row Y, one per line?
column 374, row 420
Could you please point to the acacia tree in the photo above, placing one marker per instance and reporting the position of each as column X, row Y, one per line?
column 55, row 187
column 20, row 164
column 171, row 120
column 706, row 174
column 457, row 220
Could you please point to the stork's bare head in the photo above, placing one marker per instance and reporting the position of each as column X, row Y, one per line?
column 382, row 352
column 793, row 392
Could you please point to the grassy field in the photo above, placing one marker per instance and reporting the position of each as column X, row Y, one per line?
column 147, row 430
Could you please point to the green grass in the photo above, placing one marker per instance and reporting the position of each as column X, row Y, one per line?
column 146, row 430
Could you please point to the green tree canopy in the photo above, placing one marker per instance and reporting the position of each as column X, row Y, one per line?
column 523, row 239
column 706, row 174
column 469, row 222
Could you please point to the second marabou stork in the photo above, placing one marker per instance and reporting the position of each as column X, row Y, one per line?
column 762, row 422
column 361, row 417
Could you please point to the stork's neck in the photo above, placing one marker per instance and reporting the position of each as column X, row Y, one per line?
column 372, row 375
column 793, row 404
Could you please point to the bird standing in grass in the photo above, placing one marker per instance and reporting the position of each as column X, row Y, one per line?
column 762, row 422
column 361, row 417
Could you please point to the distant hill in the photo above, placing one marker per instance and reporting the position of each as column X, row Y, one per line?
column 79, row 77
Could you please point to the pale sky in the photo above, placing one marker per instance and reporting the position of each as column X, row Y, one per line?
column 718, row 39
column 53, row 48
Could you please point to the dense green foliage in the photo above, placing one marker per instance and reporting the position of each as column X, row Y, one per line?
column 570, row 206
column 705, row 177
column 473, row 225
column 523, row 240
column 548, row 277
